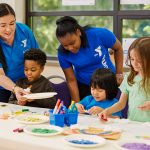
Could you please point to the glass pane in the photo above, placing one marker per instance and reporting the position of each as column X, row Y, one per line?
column 56, row 5
column 132, row 29
column 135, row 7
column 44, row 29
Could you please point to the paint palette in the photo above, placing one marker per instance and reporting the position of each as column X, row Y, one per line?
column 32, row 119
column 40, row 95
column 106, row 132
column 43, row 130
column 133, row 144
column 82, row 140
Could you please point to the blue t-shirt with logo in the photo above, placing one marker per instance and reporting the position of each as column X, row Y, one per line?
column 14, row 55
column 89, row 101
column 95, row 55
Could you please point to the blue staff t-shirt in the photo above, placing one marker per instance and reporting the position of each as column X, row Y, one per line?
column 14, row 55
column 95, row 55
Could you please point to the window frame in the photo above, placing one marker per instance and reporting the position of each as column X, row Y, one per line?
column 117, row 14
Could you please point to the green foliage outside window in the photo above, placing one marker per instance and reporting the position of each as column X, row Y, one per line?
column 44, row 29
column 56, row 5
column 44, row 26
column 136, row 28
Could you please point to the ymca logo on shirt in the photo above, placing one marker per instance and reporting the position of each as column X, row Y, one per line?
column 104, row 63
column 98, row 51
column 24, row 43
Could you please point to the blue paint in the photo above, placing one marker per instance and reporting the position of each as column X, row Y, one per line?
column 82, row 141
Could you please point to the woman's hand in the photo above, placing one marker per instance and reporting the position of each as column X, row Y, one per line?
column 95, row 110
column 22, row 103
column 30, row 100
column 80, row 108
column 145, row 106
column 19, row 92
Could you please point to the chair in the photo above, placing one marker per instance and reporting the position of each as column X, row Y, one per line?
column 61, row 89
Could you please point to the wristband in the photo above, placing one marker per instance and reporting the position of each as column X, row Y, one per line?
column 13, row 88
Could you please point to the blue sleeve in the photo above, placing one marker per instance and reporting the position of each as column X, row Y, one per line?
column 63, row 61
column 85, row 101
column 119, row 114
column 107, row 37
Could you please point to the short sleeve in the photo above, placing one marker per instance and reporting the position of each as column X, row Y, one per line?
column 63, row 61
column 108, row 38
column 85, row 101
column 124, row 85
column 28, row 32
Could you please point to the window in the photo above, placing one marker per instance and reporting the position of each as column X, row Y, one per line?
column 44, row 29
column 124, row 20
column 56, row 5
column 135, row 6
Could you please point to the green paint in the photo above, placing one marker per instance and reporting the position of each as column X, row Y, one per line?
column 43, row 131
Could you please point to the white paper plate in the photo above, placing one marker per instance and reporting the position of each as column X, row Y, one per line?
column 40, row 95
column 32, row 119
column 29, row 130
column 119, row 144
column 74, row 140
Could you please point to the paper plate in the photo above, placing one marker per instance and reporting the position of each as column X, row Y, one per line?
column 136, row 144
column 32, row 119
column 43, row 130
column 82, row 140
column 40, row 95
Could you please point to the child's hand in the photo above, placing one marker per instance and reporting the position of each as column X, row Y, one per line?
column 103, row 115
column 80, row 108
column 145, row 106
column 30, row 100
column 95, row 110
column 22, row 103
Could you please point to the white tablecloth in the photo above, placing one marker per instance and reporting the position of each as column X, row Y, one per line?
column 23, row 141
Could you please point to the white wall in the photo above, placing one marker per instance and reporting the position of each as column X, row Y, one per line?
column 19, row 8
column 52, row 68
